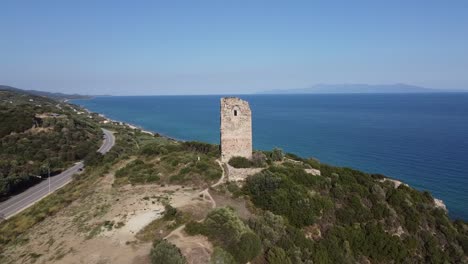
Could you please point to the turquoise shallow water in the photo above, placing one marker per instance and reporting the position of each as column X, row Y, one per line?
column 421, row 139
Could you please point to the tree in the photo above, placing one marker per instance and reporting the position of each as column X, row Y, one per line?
column 277, row 154
column 247, row 248
column 93, row 158
column 164, row 252
column 224, row 226
column 269, row 227
column 220, row 256
column 277, row 255
column 259, row 159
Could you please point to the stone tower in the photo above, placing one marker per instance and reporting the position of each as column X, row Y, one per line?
column 236, row 128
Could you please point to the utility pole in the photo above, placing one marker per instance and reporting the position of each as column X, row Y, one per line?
column 49, row 175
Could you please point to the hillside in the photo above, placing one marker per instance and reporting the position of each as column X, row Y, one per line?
column 37, row 133
column 56, row 96
column 156, row 200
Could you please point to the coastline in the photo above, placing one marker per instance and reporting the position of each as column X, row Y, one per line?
column 439, row 203
column 108, row 120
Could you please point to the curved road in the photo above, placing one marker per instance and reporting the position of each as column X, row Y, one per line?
column 19, row 202
column 109, row 141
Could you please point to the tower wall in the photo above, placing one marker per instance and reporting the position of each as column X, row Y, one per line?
column 236, row 128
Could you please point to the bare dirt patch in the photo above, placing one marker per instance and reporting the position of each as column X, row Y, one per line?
column 102, row 227
column 238, row 204
column 240, row 174
column 196, row 249
column 117, row 224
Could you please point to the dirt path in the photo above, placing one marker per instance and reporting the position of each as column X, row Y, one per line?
column 206, row 192
column 177, row 233
column 222, row 175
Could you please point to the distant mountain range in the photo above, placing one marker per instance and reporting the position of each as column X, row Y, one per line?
column 57, row 96
column 358, row 88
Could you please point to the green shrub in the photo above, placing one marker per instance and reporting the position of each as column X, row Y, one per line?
column 195, row 228
column 276, row 192
column 240, row 162
column 194, row 170
column 138, row 172
column 269, row 227
column 154, row 149
column 201, row 147
column 247, row 248
column 220, row 256
column 164, row 252
column 259, row 159
column 314, row 163
column 277, row 255
column 224, row 226
column 234, row 189
column 277, row 154
column 93, row 159
column 170, row 212
column 225, row 229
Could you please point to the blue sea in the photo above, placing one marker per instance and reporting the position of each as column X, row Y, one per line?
column 420, row 139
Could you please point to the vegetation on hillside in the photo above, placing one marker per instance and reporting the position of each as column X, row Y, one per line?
column 259, row 160
column 56, row 96
column 127, row 144
column 36, row 134
column 347, row 216
column 340, row 216
column 226, row 230
column 165, row 161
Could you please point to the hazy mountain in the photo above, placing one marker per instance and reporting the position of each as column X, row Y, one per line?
column 355, row 88
column 57, row 96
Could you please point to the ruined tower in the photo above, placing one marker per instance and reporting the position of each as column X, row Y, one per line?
column 236, row 128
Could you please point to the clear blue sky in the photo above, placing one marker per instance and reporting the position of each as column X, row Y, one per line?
column 200, row 47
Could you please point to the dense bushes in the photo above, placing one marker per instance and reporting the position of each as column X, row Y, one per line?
column 349, row 217
column 277, row 154
column 164, row 252
column 220, row 256
column 275, row 191
column 200, row 147
column 258, row 161
column 247, row 248
column 225, row 229
column 15, row 120
column 240, row 162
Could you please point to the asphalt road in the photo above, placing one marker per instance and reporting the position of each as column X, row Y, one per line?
column 109, row 141
column 19, row 202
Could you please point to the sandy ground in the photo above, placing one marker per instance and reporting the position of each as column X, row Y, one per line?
column 101, row 227
column 241, row 174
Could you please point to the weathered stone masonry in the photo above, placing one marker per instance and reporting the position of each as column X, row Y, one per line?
column 236, row 128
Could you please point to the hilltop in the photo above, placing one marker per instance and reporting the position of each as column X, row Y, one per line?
column 56, row 96
column 156, row 200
